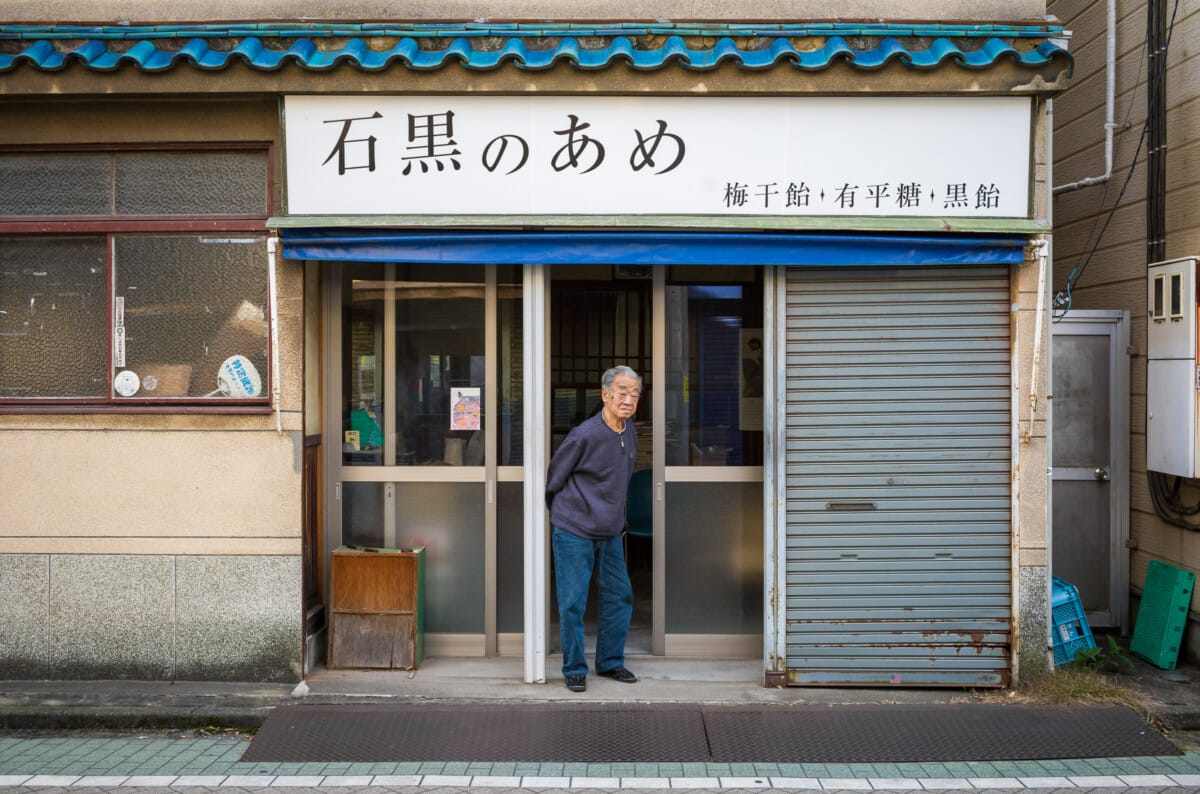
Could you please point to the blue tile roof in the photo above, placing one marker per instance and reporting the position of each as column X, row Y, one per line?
column 365, row 46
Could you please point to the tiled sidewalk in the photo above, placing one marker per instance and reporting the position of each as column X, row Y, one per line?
column 214, row 761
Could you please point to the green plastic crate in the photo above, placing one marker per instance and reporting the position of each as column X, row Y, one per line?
column 1162, row 614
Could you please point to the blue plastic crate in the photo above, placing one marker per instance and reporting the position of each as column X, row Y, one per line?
column 1071, row 630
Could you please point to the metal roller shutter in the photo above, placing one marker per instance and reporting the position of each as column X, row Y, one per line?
column 898, row 476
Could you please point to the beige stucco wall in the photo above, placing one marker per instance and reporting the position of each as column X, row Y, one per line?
column 1115, row 277
column 50, row 119
column 196, row 11
column 149, row 492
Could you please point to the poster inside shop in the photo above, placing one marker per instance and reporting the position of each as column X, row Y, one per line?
column 464, row 408
column 962, row 156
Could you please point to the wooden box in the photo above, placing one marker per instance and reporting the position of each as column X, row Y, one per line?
column 376, row 610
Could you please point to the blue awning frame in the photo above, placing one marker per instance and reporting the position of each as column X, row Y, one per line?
column 651, row 248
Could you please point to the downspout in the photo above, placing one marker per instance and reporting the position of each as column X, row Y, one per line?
column 1110, row 76
column 273, row 299
column 1039, row 250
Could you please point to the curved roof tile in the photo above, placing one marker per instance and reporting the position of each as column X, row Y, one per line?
column 146, row 54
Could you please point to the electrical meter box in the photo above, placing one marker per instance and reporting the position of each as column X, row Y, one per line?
column 1173, row 368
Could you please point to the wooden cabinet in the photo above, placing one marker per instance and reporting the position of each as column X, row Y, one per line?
column 376, row 608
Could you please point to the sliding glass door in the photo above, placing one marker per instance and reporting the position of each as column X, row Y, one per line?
column 427, row 395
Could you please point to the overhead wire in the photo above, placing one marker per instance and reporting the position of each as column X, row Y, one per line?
column 1063, row 298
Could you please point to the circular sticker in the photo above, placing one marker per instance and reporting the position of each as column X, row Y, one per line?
column 126, row 383
column 238, row 377
column 150, row 383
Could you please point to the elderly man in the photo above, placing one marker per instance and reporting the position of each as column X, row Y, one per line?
column 585, row 491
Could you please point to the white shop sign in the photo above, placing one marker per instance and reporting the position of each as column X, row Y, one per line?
column 827, row 156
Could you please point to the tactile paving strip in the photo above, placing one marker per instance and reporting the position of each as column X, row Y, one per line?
column 945, row 732
column 598, row 733
column 525, row 732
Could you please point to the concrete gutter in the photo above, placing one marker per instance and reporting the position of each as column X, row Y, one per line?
column 108, row 705
column 1172, row 697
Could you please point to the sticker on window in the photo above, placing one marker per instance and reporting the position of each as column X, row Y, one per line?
column 238, row 377
column 126, row 383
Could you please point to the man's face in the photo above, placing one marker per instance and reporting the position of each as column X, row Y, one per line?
column 622, row 399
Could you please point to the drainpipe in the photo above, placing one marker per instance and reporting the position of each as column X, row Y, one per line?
column 1038, row 249
column 273, row 299
column 1110, row 71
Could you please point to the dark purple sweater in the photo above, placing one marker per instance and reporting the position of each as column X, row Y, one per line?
column 588, row 477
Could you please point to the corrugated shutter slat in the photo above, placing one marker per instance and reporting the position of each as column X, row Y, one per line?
column 898, row 468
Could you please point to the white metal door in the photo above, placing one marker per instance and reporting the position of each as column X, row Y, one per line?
column 1090, row 459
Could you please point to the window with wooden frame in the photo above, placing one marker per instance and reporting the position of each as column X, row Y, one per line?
column 134, row 277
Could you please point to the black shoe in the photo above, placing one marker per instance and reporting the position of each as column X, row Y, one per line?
column 619, row 674
column 576, row 682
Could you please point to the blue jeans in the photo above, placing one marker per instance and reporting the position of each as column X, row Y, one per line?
column 574, row 560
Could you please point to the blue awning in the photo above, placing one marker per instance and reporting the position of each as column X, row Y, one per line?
column 650, row 248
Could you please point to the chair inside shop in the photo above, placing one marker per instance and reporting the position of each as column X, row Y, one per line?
column 639, row 506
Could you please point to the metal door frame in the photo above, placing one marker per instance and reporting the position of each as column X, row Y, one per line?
column 1115, row 325
column 336, row 473
column 536, row 305
column 536, row 310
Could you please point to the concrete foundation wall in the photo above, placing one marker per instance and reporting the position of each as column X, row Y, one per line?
column 1032, row 586
column 156, row 617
